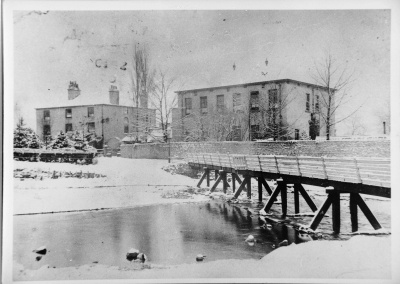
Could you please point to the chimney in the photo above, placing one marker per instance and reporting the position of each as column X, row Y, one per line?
column 114, row 95
column 73, row 90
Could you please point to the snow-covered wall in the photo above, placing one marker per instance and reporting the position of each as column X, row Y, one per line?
column 301, row 148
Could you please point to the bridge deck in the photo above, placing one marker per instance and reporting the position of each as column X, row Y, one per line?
column 360, row 175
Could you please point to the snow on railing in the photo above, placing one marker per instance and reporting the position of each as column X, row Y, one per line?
column 372, row 171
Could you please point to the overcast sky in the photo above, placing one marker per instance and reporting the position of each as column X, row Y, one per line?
column 199, row 48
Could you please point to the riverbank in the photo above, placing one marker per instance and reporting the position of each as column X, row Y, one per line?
column 133, row 183
column 361, row 257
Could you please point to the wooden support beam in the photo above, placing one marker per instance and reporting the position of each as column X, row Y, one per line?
column 233, row 182
column 306, row 197
column 320, row 213
column 208, row 177
column 296, row 200
column 283, row 185
column 335, row 197
column 241, row 187
column 216, row 184
column 259, row 188
column 265, row 184
column 237, row 178
column 224, row 180
column 353, row 212
column 202, row 177
column 271, row 199
column 249, row 188
column 216, row 174
column 367, row 212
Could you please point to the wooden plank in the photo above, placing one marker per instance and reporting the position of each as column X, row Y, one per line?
column 305, row 195
column 271, row 200
column 216, row 183
column 353, row 212
column 367, row 212
column 267, row 188
column 283, row 186
column 296, row 200
column 202, row 178
column 241, row 187
column 320, row 213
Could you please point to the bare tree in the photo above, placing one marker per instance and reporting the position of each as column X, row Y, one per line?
column 335, row 79
column 356, row 127
column 163, row 101
column 142, row 81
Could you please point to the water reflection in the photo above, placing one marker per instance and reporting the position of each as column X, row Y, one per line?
column 167, row 234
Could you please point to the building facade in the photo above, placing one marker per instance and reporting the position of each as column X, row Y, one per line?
column 280, row 110
column 110, row 121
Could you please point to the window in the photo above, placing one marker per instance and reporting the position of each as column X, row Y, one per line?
column 236, row 100
column 90, row 127
column 307, row 102
column 46, row 115
column 188, row 106
column 254, row 131
column 273, row 98
column 90, row 111
column 126, row 125
column 68, row 127
column 254, row 101
column 296, row 134
column 68, row 113
column 46, row 130
column 255, row 128
column 203, row 104
column 220, row 103
column 316, row 103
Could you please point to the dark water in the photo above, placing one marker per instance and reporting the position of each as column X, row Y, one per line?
column 167, row 234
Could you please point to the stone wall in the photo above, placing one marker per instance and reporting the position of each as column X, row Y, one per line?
column 291, row 148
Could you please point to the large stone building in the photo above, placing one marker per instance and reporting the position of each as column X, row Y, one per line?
column 279, row 109
column 104, row 119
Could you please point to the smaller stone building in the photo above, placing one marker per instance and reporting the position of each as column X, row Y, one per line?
column 108, row 120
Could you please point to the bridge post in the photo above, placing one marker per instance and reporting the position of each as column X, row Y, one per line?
column 271, row 199
column 216, row 174
column 321, row 211
column 296, row 200
column 335, row 196
column 224, row 180
column 205, row 174
column 283, row 185
column 353, row 212
column 233, row 182
column 249, row 187
column 259, row 189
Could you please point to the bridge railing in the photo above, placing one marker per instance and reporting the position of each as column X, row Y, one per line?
column 371, row 171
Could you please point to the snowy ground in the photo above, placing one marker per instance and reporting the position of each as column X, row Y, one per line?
column 127, row 183
column 142, row 182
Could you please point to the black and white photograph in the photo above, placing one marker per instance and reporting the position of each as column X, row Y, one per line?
column 181, row 142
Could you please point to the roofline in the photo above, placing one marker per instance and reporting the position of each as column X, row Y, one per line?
column 254, row 83
column 87, row 105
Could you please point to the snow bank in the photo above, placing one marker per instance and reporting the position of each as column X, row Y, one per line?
column 362, row 257
column 128, row 183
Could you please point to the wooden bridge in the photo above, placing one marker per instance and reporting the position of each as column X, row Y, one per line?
column 353, row 176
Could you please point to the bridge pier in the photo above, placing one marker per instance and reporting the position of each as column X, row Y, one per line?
column 282, row 189
column 334, row 200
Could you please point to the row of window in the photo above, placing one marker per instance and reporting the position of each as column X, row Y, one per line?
column 68, row 113
column 254, row 102
column 236, row 101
